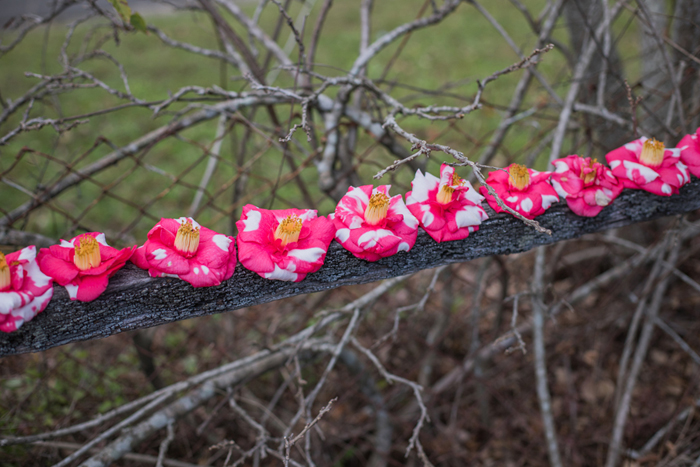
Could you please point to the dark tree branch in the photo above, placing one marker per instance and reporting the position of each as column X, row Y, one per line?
column 133, row 300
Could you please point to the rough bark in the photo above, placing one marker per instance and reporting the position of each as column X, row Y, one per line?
column 134, row 300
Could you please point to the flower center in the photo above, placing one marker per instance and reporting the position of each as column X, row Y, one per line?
column 377, row 209
column 289, row 229
column 444, row 196
column 187, row 239
column 519, row 177
column 652, row 153
column 590, row 176
column 446, row 192
column 87, row 253
column 5, row 277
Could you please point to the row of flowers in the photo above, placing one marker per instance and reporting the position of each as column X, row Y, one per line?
column 291, row 243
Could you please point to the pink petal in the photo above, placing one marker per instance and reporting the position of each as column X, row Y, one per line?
column 61, row 271
column 256, row 224
column 201, row 276
column 581, row 208
column 255, row 256
column 690, row 154
column 91, row 287
column 165, row 259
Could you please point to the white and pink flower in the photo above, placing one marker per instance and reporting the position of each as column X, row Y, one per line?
column 448, row 208
column 24, row 289
column 690, row 152
column 372, row 225
column 524, row 190
column 586, row 184
column 646, row 164
column 83, row 265
column 182, row 248
column 284, row 244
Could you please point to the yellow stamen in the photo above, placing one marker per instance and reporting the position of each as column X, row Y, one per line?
column 446, row 192
column 519, row 177
column 652, row 153
column 590, row 176
column 289, row 229
column 187, row 239
column 5, row 276
column 444, row 196
column 377, row 209
column 87, row 253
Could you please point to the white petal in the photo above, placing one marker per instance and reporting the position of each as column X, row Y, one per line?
column 282, row 274
column 342, row 235
column 468, row 217
column 548, row 200
column 647, row 173
column 222, row 241
column 196, row 270
column 473, row 195
column 372, row 236
column 526, row 205
column 101, row 239
column 403, row 246
column 675, row 152
column 666, row 188
column 28, row 254
column 159, row 254
column 360, row 198
column 9, row 301
column 40, row 279
column 408, row 218
column 66, row 244
column 205, row 270
column 31, row 309
column 561, row 167
column 356, row 222
column 420, row 187
column 615, row 163
column 72, row 291
column 428, row 218
column 601, row 199
column 310, row 255
column 252, row 221
column 512, row 199
column 558, row 188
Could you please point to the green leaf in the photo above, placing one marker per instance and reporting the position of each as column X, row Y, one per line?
column 138, row 23
column 122, row 7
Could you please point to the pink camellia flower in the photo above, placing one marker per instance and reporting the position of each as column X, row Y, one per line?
column 83, row 265
column 371, row 225
column 586, row 184
column 646, row 164
column 24, row 289
column 184, row 249
column 524, row 190
column 286, row 244
column 448, row 207
column 690, row 152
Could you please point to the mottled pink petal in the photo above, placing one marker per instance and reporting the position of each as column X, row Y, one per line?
column 213, row 262
column 259, row 252
column 532, row 201
column 663, row 180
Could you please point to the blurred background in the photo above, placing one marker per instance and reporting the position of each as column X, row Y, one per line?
column 111, row 120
